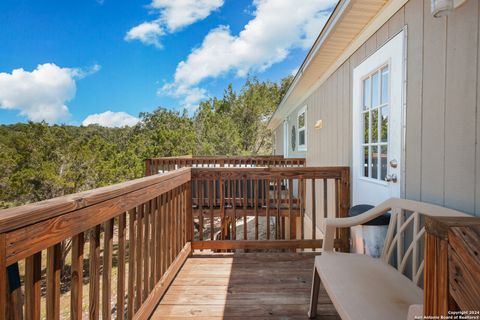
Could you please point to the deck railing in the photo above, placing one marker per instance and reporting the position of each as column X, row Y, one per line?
column 127, row 241
column 242, row 208
column 115, row 250
column 158, row 165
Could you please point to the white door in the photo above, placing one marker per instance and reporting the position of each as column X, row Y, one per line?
column 377, row 124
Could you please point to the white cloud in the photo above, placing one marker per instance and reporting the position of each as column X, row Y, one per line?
column 276, row 28
column 173, row 15
column 41, row 94
column 176, row 14
column 191, row 96
column 147, row 32
column 111, row 119
column 82, row 73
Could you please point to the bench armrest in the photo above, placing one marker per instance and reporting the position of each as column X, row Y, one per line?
column 331, row 224
column 426, row 209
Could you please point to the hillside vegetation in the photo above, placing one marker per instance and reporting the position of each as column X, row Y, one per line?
column 40, row 161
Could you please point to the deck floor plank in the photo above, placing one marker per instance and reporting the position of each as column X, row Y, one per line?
column 243, row 286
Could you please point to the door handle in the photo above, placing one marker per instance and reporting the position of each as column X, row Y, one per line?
column 391, row 178
column 393, row 163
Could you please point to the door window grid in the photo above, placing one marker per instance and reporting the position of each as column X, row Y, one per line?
column 375, row 113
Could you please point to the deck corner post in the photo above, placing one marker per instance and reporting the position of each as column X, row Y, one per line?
column 147, row 167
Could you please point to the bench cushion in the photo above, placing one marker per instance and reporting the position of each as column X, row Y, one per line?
column 362, row 287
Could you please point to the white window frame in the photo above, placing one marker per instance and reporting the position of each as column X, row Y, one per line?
column 302, row 147
column 286, row 138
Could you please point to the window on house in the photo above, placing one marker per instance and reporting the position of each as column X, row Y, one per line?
column 301, row 124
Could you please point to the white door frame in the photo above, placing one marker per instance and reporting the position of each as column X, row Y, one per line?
column 395, row 47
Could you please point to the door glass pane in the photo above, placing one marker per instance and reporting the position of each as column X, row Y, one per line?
column 366, row 94
column 301, row 137
column 383, row 161
column 375, row 125
column 365, row 126
column 384, row 124
column 365, row 161
column 374, row 173
column 384, row 98
column 375, row 89
column 301, row 120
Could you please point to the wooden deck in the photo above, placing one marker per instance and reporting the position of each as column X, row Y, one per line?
column 243, row 286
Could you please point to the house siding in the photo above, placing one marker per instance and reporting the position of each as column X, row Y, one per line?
column 441, row 159
column 278, row 141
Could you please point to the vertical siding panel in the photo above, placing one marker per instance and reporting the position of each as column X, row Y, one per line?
column 460, row 107
column 433, row 118
column 316, row 133
column 312, row 142
column 340, row 117
column 413, row 144
column 348, row 113
column 324, row 108
column 371, row 45
column 396, row 22
column 319, row 100
column 330, row 120
column 321, row 133
column 358, row 57
column 477, row 160
column 279, row 141
column 335, row 146
column 382, row 35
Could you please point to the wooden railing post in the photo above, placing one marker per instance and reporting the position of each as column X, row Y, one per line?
column 344, row 233
column 452, row 267
column 188, row 207
column 148, row 171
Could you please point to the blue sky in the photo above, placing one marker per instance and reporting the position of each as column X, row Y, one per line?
column 86, row 57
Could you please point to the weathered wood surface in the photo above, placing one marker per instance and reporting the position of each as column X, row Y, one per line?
column 17, row 217
column 161, row 286
column 464, row 266
column 146, row 224
column 20, row 243
column 451, row 265
column 157, row 232
column 241, row 286
column 274, row 192
column 270, row 173
column 257, row 244
column 155, row 165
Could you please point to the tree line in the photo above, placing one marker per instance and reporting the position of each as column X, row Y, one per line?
column 40, row 161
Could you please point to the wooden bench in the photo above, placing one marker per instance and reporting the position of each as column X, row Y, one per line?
column 362, row 287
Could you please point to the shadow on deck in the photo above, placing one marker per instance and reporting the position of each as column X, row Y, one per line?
column 243, row 286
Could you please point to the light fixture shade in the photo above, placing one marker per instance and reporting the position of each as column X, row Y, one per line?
column 441, row 8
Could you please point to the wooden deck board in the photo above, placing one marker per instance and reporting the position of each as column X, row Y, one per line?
column 241, row 286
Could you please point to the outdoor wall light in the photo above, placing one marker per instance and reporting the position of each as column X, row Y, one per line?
column 318, row 124
column 441, row 8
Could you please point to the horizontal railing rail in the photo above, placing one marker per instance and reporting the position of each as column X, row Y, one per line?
column 120, row 246
column 243, row 208
column 158, row 165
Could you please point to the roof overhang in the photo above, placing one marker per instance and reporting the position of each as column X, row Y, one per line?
column 351, row 24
